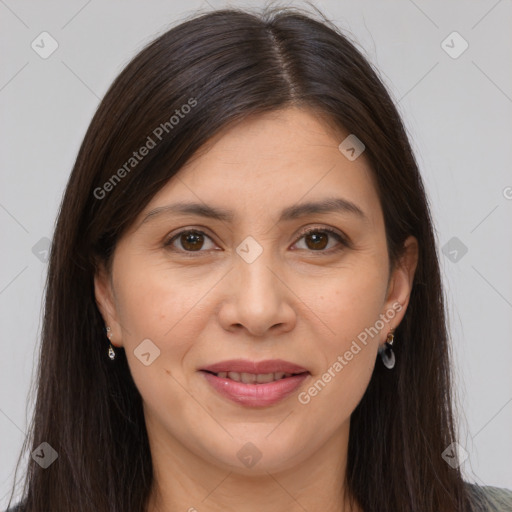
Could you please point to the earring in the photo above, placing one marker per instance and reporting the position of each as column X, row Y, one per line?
column 111, row 351
column 386, row 352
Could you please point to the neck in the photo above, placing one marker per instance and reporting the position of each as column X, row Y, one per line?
column 182, row 481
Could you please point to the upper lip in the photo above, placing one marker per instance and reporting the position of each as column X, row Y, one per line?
column 256, row 367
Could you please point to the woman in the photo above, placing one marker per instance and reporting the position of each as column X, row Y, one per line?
column 244, row 307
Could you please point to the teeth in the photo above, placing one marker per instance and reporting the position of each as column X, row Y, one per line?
column 251, row 378
column 268, row 377
column 248, row 378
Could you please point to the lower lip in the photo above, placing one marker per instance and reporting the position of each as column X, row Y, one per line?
column 256, row 395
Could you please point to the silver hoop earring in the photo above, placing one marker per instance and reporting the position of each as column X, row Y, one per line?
column 386, row 352
column 111, row 351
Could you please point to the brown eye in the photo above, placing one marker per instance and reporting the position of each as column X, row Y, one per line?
column 318, row 239
column 190, row 241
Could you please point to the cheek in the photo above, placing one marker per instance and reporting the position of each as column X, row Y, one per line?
column 350, row 308
column 350, row 303
column 157, row 302
column 335, row 393
column 164, row 307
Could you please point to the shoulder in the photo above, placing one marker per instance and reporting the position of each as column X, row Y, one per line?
column 489, row 499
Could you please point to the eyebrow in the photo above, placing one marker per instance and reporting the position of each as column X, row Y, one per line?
column 328, row 205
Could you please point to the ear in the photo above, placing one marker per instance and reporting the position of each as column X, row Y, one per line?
column 400, row 283
column 105, row 299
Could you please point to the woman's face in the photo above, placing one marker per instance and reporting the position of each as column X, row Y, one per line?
column 253, row 286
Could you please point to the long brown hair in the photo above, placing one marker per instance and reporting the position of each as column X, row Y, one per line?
column 227, row 65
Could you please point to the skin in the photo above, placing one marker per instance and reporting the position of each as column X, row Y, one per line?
column 297, row 301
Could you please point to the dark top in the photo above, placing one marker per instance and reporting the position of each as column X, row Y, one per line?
column 484, row 499
column 490, row 499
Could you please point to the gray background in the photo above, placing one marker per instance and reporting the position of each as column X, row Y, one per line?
column 457, row 111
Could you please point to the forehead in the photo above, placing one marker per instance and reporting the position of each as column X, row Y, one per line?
column 271, row 161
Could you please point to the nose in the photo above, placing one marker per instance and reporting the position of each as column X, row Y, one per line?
column 257, row 298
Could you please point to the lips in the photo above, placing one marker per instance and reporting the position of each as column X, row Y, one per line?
column 255, row 384
column 252, row 378
column 255, row 367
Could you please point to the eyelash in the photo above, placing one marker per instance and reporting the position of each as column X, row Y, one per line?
column 341, row 239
